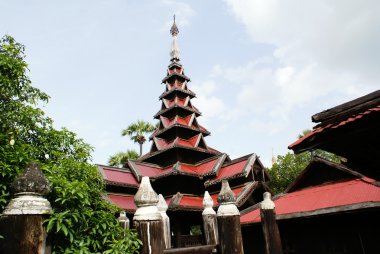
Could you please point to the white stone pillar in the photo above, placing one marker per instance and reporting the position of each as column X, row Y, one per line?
column 210, row 224
column 162, row 208
column 270, row 229
column 147, row 219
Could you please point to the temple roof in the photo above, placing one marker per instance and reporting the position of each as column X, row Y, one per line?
column 184, row 202
column 325, row 199
column 340, row 189
column 180, row 160
column 236, row 168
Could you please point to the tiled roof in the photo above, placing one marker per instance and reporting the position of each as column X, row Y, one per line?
column 125, row 202
column 183, row 201
column 118, row 176
column 204, row 167
column 325, row 196
column 233, row 169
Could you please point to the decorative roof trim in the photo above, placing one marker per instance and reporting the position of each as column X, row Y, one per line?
column 175, row 75
column 162, row 111
column 113, row 183
column 251, row 159
column 190, row 93
column 149, row 155
column 318, row 159
column 135, row 170
column 204, row 131
column 246, row 193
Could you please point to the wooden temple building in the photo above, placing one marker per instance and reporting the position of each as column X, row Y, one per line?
column 330, row 207
column 181, row 165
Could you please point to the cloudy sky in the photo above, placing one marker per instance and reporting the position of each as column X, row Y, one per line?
column 260, row 68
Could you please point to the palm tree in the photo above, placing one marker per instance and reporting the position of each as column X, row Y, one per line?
column 137, row 130
column 120, row 159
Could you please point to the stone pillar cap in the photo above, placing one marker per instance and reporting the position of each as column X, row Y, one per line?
column 227, row 200
column 267, row 203
column 146, row 200
column 31, row 180
column 226, row 195
column 29, row 188
column 162, row 205
column 208, row 204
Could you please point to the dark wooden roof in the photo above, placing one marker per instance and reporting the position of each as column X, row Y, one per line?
column 350, row 130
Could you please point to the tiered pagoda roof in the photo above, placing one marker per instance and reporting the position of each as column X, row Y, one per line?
column 180, row 163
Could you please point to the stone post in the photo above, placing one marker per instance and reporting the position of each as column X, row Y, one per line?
column 162, row 208
column 21, row 223
column 270, row 229
column 147, row 219
column 123, row 220
column 210, row 224
column 230, row 239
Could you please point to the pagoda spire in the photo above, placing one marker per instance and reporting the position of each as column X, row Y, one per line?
column 174, row 52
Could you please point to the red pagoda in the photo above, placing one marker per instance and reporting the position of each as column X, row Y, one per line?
column 181, row 165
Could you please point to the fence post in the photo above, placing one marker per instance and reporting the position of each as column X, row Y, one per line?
column 21, row 223
column 147, row 219
column 162, row 208
column 270, row 229
column 209, row 220
column 230, row 239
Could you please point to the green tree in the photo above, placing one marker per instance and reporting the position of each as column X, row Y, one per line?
column 287, row 167
column 120, row 159
column 82, row 221
column 136, row 131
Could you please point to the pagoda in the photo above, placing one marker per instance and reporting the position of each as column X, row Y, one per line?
column 180, row 164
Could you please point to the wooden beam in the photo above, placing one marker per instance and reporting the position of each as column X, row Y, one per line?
column 205, row 249
column 349, row 108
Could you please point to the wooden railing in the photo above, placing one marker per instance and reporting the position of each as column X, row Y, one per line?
column 205, row 249
column 190, row 240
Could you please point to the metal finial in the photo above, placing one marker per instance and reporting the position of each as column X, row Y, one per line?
column 174, row 30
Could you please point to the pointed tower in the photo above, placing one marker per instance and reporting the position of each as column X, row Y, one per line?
column 180, row 164
column 179, row 138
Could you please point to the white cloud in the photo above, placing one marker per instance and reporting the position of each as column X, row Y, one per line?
column 320, row 49
column 338, row 36
column 182, row 10
column 210, row 105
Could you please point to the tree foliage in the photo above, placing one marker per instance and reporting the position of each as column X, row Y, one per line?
column 82, row 221
column 136, row 131
column 120, row 159
column 287, row 167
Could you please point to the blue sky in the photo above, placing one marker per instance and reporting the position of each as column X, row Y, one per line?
column 260, row 68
